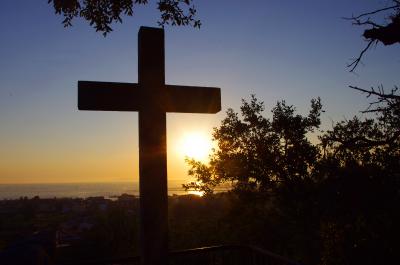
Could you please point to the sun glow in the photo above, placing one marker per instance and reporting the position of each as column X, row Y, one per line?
column 196, row 145
column 196, row 192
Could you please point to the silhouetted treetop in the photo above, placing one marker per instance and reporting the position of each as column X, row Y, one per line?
column 101, row 14
column 255, row 153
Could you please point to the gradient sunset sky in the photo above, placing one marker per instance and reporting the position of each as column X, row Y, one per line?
column 292, row 50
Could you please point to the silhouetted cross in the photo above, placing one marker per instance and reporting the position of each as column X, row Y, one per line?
column 152, row 98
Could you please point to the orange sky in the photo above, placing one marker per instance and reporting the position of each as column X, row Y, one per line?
column 105, row 157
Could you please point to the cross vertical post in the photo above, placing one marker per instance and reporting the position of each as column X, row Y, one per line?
column 152, row 149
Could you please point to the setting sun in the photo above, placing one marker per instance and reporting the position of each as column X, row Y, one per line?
column 196, row 145
column 196, row 192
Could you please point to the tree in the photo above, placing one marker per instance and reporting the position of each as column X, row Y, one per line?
column 258, row 154
column 359, row 180
column 102, row 14
column 386, row 32
column 333, row 202
column 267, row 162
column 386, row 104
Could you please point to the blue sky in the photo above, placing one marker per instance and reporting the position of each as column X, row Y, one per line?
column 292, row 50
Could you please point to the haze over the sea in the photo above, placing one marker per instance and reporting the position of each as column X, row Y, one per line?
column 77, row 190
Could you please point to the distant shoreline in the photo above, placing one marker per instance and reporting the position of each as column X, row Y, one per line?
column 78, row 190
column 181, row 181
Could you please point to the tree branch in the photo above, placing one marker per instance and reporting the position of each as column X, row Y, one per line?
column 376, row 11
column 380, row 94
column 388, row 33
column 102, row 14
column 354, row 64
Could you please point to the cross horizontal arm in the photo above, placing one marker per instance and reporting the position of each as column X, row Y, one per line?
column 192, row 99
column 109, row 96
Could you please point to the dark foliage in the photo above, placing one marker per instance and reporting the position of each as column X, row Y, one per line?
column 331, row 202
column 102, row 14
column 256, row 154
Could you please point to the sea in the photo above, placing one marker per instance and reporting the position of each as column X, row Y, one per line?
column 78, row 190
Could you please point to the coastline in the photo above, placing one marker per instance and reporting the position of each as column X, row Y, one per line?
column 78, row 190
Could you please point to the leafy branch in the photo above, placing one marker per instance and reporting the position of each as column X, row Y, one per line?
column 101, row 14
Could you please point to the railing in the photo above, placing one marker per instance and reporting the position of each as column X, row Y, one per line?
column 228, row 255
column 216, row 255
